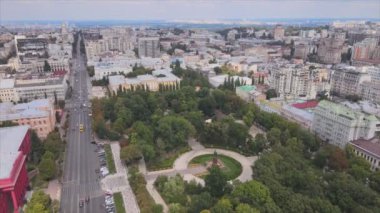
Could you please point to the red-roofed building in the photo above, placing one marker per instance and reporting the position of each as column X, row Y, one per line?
column 369, row 150
column 305, row 105
column 14, row 149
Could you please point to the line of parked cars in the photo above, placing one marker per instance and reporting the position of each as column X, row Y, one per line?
column 103, row 171
column 110, row 204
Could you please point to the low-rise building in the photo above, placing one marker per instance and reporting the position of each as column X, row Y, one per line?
column 301, row 113
column 369, row 150
column 338, row 124
column 105, row 69
column 38, row 114
column 7, row 90
column 14, row 149
column 30, row 89
column 249, row 93
column 218, row 80
column 160, row 79
column 98, row 92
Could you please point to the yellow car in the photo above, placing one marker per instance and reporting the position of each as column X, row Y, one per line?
column 81, row 128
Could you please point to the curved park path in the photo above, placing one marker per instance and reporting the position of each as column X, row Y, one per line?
column 181, row 167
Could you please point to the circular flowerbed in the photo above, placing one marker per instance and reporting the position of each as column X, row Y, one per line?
column 230, row 167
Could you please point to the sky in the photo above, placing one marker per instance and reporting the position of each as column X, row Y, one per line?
column 14, row 10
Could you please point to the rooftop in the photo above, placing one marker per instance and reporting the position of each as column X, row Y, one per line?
column 10, row 141
column 7, row 83
column 339, row 109
column 247, row 88
column 8, row 111
column 305, row 105
column 116, row 80
column 372, row 145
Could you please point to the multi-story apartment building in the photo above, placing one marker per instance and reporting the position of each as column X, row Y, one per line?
column 114, row 39
column 149, row 47
column 31, row 48
column 278, row 32
column 14, row 149
column 366, row 52
column 231, row 35
column 369, row 150
column 330, row 49
column 159, row 78
column 296, row 80
column 347, row 80
column 371, row 90
column 338, row 124
column 301, row 51
column 38, row 114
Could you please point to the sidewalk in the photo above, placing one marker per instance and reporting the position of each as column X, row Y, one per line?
column 150, row 187
column 119, row 182
column 54, row 190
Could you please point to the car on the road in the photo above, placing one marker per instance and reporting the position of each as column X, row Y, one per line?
column 93, row 142
column 81, row 203
column 81, row 128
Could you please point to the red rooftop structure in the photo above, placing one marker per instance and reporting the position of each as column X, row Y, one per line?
column 14, row 149
column 305, row 105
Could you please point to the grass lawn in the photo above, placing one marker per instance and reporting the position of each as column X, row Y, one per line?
column 119, row 203
column 232, row 168
column 167, row 161
column 109, row 157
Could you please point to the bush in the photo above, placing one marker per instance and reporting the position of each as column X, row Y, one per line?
column 110, row 160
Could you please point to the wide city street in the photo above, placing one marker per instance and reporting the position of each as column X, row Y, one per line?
column 80, row 181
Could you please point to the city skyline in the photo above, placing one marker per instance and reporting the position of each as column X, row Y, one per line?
column 85, row 10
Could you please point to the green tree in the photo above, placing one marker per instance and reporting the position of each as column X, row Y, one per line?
column 258, row 144
column 359, row 168
column 37, row 148
column 207, row 106
column 237, row 134
column 173, row 190
column 36, row 208
column 222, row 206
column 47, row 167
column 47, row 67
column 271, row 93
column 199, row 202
column 274, row 136
column 39, row 203
column 53, row 143
column 176, row 208
column 375, row 181
column 256, row 194
column 174, row 131
column 130, row 153
column 216, row 182
column 245, row 208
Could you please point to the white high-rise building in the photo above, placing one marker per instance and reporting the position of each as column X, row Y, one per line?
column 149, row 47
column 347, row 80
